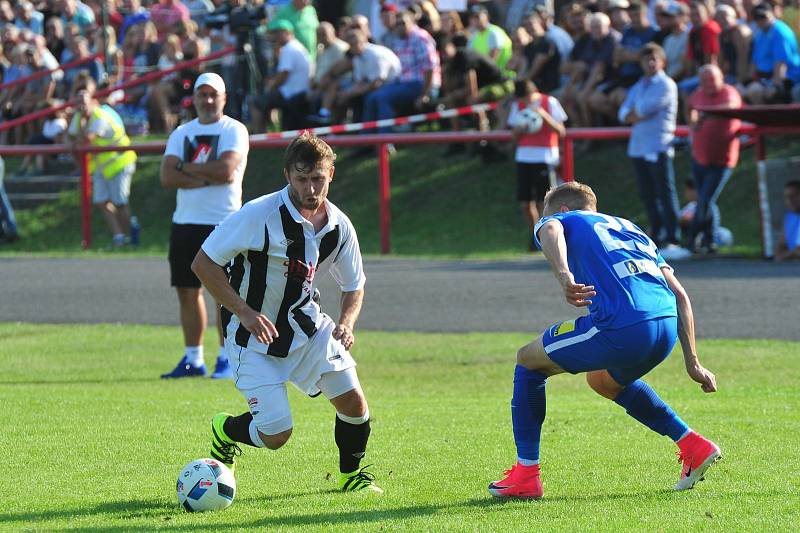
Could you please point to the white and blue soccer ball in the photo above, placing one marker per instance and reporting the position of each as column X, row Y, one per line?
column 205, row 485
column 531, row 120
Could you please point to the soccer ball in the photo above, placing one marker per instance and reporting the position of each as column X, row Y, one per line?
column 531, row 120
column 205, row 485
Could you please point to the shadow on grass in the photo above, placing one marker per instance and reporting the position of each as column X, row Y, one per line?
column 164, row 512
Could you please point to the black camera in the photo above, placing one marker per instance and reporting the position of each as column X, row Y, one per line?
column 240, row 19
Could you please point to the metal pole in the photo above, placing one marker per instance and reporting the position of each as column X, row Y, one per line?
column 86, row 200
column 767, row 250
column 384, row 197
column 568, row 164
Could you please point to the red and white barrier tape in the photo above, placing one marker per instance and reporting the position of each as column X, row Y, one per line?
column 384, row 123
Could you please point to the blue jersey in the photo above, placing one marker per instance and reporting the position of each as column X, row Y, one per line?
column 622, row 263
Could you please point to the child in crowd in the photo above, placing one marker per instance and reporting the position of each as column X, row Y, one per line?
column 52, row 132
column 722, row 237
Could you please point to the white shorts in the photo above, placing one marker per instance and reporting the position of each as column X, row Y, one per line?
column 117, row 189
column 321, row 365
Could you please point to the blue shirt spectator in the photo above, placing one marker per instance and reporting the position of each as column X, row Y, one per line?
column 654, row 99
column 774, row 44
column 29, row 19
column 633, row 39
column 77, row 12
column 135, row 14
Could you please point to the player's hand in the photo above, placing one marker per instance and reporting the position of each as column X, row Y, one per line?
column 262, row 329
column 576, row 294
column 344, row 334
column 706, row 379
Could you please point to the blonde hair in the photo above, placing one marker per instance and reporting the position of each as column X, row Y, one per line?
column 571, row 194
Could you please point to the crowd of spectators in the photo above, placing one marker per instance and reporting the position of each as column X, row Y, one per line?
column 372, row 59
column 299, row 63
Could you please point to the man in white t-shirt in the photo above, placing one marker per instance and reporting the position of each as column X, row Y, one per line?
column 277, row 246
column 286, row 90
column 205, row 161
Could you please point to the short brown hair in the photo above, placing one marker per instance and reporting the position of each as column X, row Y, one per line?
column 652, row 49
column 307, row 151
column 572, row 194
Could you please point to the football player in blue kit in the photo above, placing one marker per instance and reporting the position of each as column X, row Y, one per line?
column 637, row 310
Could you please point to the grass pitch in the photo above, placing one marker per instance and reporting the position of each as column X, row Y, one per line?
column 93, row 440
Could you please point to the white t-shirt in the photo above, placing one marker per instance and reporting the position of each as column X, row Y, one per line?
column 278, row 258
column 539, row 154
column 199, row 143
column 54, row 127
column 294, row 60
column 376, row 63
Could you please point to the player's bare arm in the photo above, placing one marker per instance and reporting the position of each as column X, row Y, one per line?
column 214, row 279
column 173, row 178
column 554, row 247
column 696, row 371
column 351, row 308
column 217, row 172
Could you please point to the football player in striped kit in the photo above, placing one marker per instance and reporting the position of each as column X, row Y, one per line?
column 277, row 246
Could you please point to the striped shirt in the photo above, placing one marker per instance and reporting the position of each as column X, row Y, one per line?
column 277, row 257
column 417, row 54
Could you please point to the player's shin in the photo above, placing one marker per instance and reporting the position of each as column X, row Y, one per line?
column 528, row 408
column 351, row 435
column 642, row 403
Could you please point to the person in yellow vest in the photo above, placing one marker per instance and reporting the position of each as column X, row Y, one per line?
column 111, row 171
column 489, row 39
column 537, row 125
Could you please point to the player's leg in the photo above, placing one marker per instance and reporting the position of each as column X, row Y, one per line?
column 352, row 428
column 528, row 409
column 654, row 340
column 268, row 423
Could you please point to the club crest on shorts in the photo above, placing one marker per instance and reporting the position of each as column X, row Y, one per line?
column 564, row 327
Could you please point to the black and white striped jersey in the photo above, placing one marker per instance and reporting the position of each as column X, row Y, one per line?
column 276, row 257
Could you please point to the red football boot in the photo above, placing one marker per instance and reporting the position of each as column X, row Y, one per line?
column 696, row 454
column 520, row 482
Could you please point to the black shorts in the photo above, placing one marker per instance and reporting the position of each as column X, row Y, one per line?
column 185, row 241
column 533, row 181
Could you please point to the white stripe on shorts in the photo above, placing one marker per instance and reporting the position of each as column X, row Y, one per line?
column 572, row 340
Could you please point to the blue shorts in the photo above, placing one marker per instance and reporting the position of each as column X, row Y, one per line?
column 627, row 353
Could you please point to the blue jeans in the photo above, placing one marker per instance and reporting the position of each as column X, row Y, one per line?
column 8, row 224
column 657, row 191
column 380, row 103
column 709, row 181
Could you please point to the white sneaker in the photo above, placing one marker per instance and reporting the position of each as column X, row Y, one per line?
column 673, row 252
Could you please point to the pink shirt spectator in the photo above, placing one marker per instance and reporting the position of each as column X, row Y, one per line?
column 166, row 14
column 714, row 142
column 418, row 55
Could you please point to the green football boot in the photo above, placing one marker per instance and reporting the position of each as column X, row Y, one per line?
column 359, row 481
column 223, row 448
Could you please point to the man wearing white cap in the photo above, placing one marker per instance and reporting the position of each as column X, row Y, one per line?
column 205, row 161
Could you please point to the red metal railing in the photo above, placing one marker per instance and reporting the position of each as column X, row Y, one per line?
column 381, row 142
column 43, row 73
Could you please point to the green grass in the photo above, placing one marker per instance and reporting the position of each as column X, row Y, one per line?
column 456, row 207
column 93, row 441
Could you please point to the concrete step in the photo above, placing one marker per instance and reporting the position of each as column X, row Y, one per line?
column 30, row 191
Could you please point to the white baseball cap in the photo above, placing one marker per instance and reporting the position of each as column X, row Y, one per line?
column 212, row 80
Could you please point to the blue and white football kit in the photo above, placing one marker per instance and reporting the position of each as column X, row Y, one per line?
column 631, row 327
column 632, row 321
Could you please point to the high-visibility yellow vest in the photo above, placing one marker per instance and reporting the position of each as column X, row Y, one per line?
column 109, row 163
column 480, row 43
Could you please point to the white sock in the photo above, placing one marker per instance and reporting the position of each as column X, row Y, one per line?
column 194, row 355
column 527, row 462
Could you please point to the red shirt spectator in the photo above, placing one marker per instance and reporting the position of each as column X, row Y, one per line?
column 166, row 14
column 703, row 45
column 714, row 140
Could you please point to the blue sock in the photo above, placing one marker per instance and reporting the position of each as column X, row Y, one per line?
column 643, row 404
column 528, row 407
